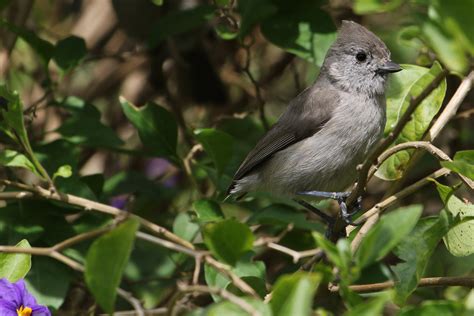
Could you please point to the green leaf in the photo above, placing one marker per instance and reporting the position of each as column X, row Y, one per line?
column 333, row 253
column 12, row 124
column 371, row 307
column 218, row 145
column 253, row 12
column 15, row 266
column 156, row 127
column 69, row 52
column 228, row 240
column 178, row 22
column 375, row 6
column 447, row 29
column 43, row 48
column 49, row 280
column 184, row 227
column 283, row 215
column 463, row 163
column 11, row 158
column 207, row 211
column 430, row 308
column 64, row 171
column 84, row 127
column 460, row 239
column 249, row 271
column 106, row 260
column 415, row 250
column 301, row 28
column 403, row 86
column 230, row 309
column 293, row 294
column 387, row 233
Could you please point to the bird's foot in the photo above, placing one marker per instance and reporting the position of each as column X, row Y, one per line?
column 341, row 198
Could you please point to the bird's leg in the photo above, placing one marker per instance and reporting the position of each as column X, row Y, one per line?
column 340, row 197
column 328, row 219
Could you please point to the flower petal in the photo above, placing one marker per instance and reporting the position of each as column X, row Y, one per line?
column 40, row 310
column 9, row 292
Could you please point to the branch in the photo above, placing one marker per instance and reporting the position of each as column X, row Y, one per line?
column 88, row 205
column 433, row 150
column 258, row 93
column 52, row 253
column 379, row 207
column 244, row 305
column 296, row 255
column 202, row 256
column 424, row 282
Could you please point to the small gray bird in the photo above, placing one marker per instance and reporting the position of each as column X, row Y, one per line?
column 329, row 128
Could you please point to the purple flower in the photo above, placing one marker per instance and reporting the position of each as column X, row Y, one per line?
column 16, row 301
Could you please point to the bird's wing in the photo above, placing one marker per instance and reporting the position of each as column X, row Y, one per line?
column 304, row 117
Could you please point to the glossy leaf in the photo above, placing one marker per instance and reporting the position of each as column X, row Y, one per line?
column 293, row 294
column 69, row 52
column 228, row 240
column 156, row 127
column 447, row 29
column 252, row 13
column 415, row 250
column 375, row 6
column 106, row 260
column 230, row 309
column 404, row 85
column 371, row 307
column 11, row 158
column 49, row 280
column 85, row 127
column 184, row 227
column 460, row 239
column 430, row 308
column 301, row 28
column 387, row 233
column 218, row 145
column 15, row 266
column 207, row 211
column 283, row 215
column 64, row 171
column 253, row 272
column 179, row 22
column 463, row 163
column 42, row 47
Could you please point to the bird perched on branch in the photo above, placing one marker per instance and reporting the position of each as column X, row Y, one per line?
column 328, row 129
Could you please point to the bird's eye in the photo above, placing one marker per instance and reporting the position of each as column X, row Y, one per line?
column 361, row 56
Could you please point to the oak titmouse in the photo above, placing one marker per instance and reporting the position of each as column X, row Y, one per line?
column 329, row 128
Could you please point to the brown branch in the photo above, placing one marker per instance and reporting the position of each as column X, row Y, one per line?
column 202, row 256
column 244, row 305
column 89, row 205
column 53, row 252
column 424, row 282
column 426, row 146
column 258, row 93
column 370, row 215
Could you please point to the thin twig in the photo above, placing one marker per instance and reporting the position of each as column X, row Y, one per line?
column 428, row 147
column 381, row 206
column 296, row 255
column 258, row 93
column 50, row 252
column 424, row 282
column 89, row 205
column 244, row 305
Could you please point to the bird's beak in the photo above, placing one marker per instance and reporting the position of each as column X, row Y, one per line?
column 389, row 67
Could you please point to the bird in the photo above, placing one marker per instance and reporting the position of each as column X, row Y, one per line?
column 328, row 129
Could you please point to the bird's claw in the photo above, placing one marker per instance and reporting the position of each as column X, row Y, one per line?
column 341, row 198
